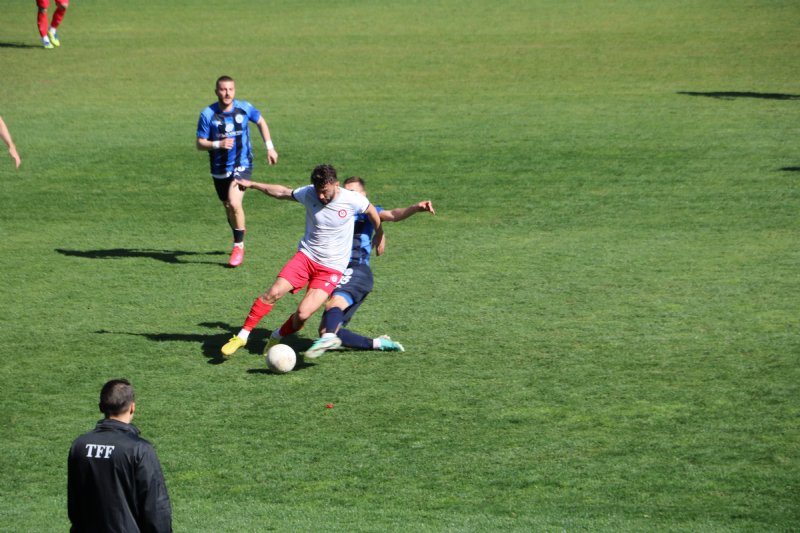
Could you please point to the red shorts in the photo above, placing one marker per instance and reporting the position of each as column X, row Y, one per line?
column 300, row 270
column 44, row 4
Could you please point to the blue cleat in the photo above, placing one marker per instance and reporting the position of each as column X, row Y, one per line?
column 322, row 345
column 388, row 345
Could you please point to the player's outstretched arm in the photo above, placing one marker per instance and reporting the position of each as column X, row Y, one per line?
column 279, row 192
column 402, row 213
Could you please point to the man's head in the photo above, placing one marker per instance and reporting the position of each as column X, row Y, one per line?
column 325, row 182
column 225, row 91
column 355, row 184
column 117, row 398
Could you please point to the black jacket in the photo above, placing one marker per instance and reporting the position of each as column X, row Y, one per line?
column 115, row 483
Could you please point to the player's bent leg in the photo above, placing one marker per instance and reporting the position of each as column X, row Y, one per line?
column 278, row 290
column 312, row 301
column 235, row 204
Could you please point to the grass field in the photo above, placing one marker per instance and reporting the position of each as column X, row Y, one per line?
column 601, row 322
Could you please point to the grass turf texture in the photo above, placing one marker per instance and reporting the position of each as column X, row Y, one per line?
column 601, row 323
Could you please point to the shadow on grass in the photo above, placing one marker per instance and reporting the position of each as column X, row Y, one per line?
column 212, row 342
column 791, row 169
column 730, row 95
column 19, row 45
column 167, row 256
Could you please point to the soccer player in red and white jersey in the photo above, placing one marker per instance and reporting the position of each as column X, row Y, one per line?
column 50, row 34
column 322, row 255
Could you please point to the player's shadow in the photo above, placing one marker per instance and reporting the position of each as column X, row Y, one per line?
column 167, row 256
column 212, row 342
column 791, row 169
column 730, row 95
column 19, row 45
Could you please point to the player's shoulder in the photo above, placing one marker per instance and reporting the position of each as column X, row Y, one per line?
column 210, row 110
column 243, row 105
column 301, row 192
column 351, row 195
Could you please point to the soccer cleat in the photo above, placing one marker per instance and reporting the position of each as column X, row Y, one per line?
column 237, row 256
column 47, row 44
column 270, row 343
column 388, row 345
column 232, row 345
column 53, row 34
column 322, row 345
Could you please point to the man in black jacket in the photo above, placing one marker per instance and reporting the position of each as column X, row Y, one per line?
column 114, row 478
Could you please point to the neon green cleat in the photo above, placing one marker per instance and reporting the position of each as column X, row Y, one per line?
column 322, row 345
column 47, row 44
column 232, row 345
column 53, row 34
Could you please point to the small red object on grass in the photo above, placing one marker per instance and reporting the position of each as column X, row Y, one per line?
column 329, row 405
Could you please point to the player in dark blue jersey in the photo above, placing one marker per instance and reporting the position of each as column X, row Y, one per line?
column 357, row 282
column 223, row 131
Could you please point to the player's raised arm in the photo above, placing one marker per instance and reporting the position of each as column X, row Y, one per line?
column 279, row 192
column 402, row 213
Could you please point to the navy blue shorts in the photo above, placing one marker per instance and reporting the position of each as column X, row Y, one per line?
column 223, row 185
column 355, row 286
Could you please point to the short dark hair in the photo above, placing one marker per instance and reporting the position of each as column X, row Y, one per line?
column 116, row 396
column 322, row 175
column 223, row 78
column 355, row 179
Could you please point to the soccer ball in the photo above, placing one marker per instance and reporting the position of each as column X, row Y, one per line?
column 281, row 359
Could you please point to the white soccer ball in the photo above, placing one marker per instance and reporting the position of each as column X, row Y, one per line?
column 281, row 359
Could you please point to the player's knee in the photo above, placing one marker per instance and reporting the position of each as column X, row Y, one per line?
column 270, row 297
column 43, row 10
column 305, row 312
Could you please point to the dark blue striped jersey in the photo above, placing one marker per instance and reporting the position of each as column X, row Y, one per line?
column 216, row 125
column 362, row 239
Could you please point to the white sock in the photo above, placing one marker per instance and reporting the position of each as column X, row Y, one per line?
column 327, row 335
column 239, row 244
column 243, row 334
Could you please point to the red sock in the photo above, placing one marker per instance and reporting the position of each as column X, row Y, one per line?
column 58, row 16
column 41, row 20
column 288, row 327
column 257, row 312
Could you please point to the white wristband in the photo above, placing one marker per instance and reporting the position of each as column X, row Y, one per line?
column 215, row 145
column 270, row 146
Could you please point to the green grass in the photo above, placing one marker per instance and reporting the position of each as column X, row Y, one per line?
column 601, row 321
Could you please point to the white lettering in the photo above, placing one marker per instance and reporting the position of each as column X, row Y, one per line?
column 99, row 451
